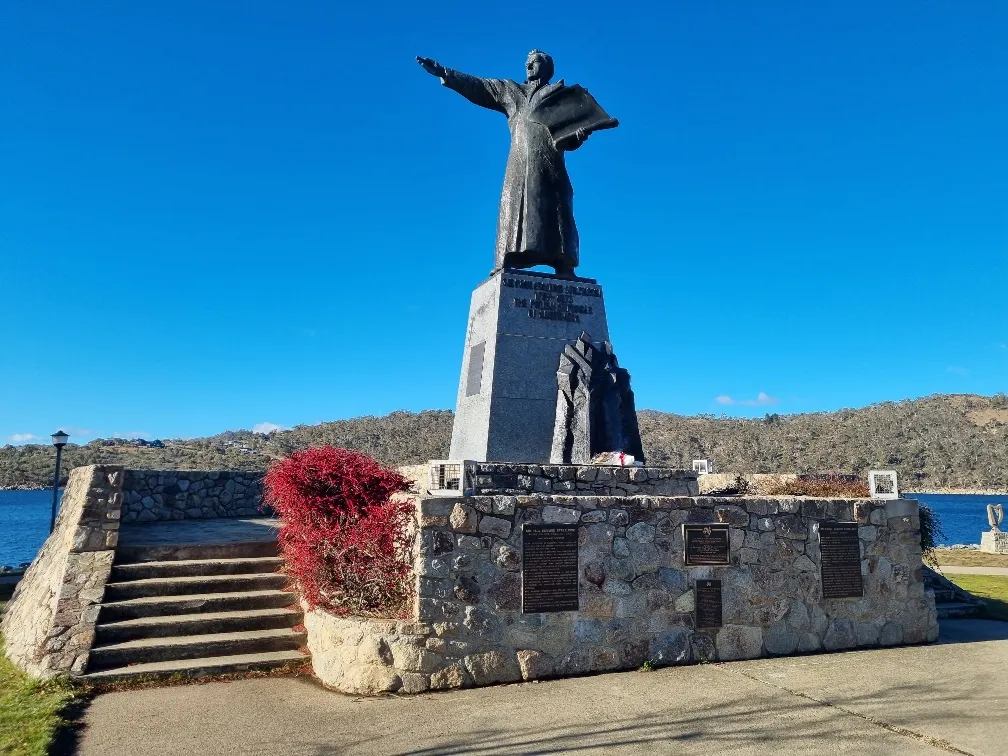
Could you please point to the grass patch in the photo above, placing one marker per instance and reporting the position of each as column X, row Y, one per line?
column 992, row 589
column 969, row 558
column 30, row 710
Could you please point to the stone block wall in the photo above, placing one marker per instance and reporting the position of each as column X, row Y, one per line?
column 48, row 626
column 151, row 495
column 994, row 542
column 597, row 480
column 635, row 592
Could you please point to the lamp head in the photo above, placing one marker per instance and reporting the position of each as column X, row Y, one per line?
column 59, row 439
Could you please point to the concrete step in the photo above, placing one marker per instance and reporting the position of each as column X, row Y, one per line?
column 214, row 665
column 129, row 554
column 184, row 586
column 146, row 650
column 204, row 623
column 195, row 567
column 163, row 606
column 956, row 610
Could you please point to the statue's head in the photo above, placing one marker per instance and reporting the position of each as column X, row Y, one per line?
column 539, row 66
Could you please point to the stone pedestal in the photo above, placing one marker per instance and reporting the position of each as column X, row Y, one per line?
column 994, row 542
column 519, row 322
column 637, row 598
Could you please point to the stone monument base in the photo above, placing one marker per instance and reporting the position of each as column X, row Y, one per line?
column 489, row 611
column 994, row 542
column 519, row 323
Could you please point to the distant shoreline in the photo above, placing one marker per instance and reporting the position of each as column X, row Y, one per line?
column 939, row 491
column 961, row 492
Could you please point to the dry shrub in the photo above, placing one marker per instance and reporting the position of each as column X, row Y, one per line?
column 831, row 485
column 345, row 535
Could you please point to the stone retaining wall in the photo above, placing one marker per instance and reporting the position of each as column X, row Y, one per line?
column 48, row 626
column 597, row 480
column 151, row 495
column 636, row 595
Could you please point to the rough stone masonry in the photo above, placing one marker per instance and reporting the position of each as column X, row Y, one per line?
column 150, row 495
column 636, row 594
column 49, row 626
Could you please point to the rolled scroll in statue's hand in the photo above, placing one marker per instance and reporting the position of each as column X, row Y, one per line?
column 568, row 110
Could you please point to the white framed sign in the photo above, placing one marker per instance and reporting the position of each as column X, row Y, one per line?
column 882, row 484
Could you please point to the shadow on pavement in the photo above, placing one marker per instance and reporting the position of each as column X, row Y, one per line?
column 304, row 722
column 971, row 631
column 68, row 737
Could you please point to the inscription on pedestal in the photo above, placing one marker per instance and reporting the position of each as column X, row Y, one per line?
column 707, row 604
column 549, row 300
column 706, row 544
column 549, row 568
column 840, row 567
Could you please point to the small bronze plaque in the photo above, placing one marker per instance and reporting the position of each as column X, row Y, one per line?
column 840, row 565
column 705, row 544
column 474, row 378
column 707, row 607
column 549, row 568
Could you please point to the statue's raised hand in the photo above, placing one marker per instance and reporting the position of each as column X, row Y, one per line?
column 432, row 67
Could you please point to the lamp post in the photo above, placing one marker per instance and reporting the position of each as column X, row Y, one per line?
column 59, row 439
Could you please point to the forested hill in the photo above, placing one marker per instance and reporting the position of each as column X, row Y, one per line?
column 944, row 441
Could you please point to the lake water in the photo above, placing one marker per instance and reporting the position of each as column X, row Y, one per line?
column 963, row 517
column 24, row 524
column 24, row 520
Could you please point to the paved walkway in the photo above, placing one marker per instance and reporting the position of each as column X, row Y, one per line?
column 954, row 570
column 189, row 532
column 938, row 699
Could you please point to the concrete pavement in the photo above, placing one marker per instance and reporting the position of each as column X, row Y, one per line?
column 197, row 531
column 956, row 570
column 943, row 698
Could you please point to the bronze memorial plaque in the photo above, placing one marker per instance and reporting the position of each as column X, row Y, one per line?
column 840, row 567
column 705, row 544
column 707, row 604
column 549, row 568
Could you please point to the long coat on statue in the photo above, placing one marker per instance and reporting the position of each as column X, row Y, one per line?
column 535, row 225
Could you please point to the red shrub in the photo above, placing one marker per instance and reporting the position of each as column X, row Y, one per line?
column 345, row 541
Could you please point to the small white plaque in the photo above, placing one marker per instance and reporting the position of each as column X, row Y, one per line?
column 701, row 466
column 450, row 477
column 882, row 484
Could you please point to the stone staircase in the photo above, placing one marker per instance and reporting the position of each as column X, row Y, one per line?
column 951, row 601
column 196, row 610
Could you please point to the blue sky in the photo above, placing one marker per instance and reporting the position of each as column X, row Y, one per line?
column 215, row 215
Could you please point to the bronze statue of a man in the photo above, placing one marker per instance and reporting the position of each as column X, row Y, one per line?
column 535, row 225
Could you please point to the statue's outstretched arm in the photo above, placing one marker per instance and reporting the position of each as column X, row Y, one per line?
column 487, row 93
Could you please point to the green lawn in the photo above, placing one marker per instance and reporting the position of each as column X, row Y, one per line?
column 30, row 710
column 992, row 589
